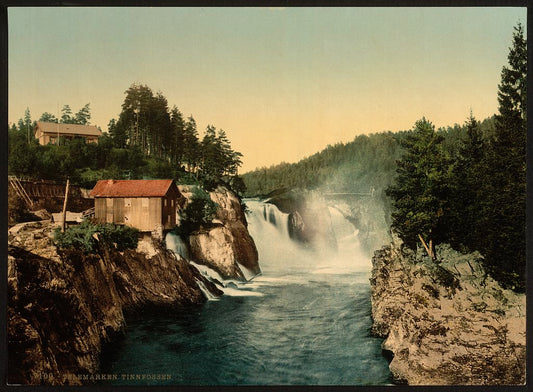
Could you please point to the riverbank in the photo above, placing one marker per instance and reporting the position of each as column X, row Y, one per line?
column 446, row 323
column 64, row 305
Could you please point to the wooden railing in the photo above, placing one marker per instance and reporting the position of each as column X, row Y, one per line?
column 21, row 192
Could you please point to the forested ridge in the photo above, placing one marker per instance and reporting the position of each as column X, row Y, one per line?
column 462, row 185
column 369, row 161
column 149, row 140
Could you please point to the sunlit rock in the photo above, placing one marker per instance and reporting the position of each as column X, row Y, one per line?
column 447, row 322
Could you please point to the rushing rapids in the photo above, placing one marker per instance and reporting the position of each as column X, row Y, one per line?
column 304, row 320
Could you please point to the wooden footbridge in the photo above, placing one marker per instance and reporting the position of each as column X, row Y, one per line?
column 32, row 190
column 333, row 195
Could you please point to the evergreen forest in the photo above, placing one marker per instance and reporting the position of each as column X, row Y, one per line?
column 464, row 184
column 148, row 140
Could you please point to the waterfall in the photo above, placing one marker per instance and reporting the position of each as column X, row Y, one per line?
column 272, row 214
column 230, row 287
column 349, row 256
column 278, row 252
column 210, row 296
column 177, row 245
column 282, row 258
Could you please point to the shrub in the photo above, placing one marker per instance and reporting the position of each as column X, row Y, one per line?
column 83, row 237
column 77, row 237
column 198, row 213
column 122, row 237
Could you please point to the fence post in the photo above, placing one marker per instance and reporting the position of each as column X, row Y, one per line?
column 63, row 220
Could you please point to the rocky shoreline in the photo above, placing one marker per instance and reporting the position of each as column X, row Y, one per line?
column 446, row 323
column 64, row 305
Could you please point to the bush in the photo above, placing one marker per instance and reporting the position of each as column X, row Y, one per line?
column 77, row 237
column 121, row 237
column 199, row 212
column 83, row 237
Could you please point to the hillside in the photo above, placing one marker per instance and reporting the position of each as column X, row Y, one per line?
column 369, row 161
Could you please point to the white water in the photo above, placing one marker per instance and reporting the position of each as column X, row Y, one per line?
column 230, row 287
column 278, row 253
column 304, row 321
column 176, row 245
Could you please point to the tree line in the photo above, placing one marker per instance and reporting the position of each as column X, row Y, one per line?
column 147, row 141
column 147, row 123
column 477, row 200
column 464, row 185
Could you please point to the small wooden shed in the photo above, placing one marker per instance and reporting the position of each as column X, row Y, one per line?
column 144, row 204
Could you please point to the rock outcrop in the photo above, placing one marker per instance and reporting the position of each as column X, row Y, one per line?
column 63, row 305
column 446, row 322
column 226, row 247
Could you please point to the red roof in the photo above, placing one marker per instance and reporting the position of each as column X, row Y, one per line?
column 131, row 188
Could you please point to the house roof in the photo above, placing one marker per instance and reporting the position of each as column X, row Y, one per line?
column 71, row 129
column 131, row 188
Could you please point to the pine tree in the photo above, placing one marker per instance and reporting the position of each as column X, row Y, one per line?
column 191, row 153
column 177, row 138
column 462, row 218
column 504, row 190
column 83, row 116
column 420, row 191
column 66, row 115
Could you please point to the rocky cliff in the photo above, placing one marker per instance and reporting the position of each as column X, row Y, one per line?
column 226, row 247
column 63, row 305
column 446, row 322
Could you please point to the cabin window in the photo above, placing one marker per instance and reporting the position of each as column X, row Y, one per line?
column 109, row 202
column 168, row 219
column 172, row 202
column 165, row 202
column 144, row 202
column 127, row 202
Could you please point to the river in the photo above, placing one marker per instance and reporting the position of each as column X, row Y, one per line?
column 304, row 321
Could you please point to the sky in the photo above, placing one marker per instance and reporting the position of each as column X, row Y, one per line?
column 282, row 82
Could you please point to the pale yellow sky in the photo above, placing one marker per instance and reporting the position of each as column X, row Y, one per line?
column 282, row 83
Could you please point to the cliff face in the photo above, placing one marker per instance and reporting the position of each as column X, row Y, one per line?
column 63, row 305
column 227, row 247
column 446, row 323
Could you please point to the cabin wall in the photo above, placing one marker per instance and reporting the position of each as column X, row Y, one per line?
column 168, row 208
column 143, row 213
column 100, row 210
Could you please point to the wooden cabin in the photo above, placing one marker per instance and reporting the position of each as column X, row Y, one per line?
column 144, row 204
column 49, row 133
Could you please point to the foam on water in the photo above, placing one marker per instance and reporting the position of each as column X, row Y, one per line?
column 304, row 321
column 207, row 293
